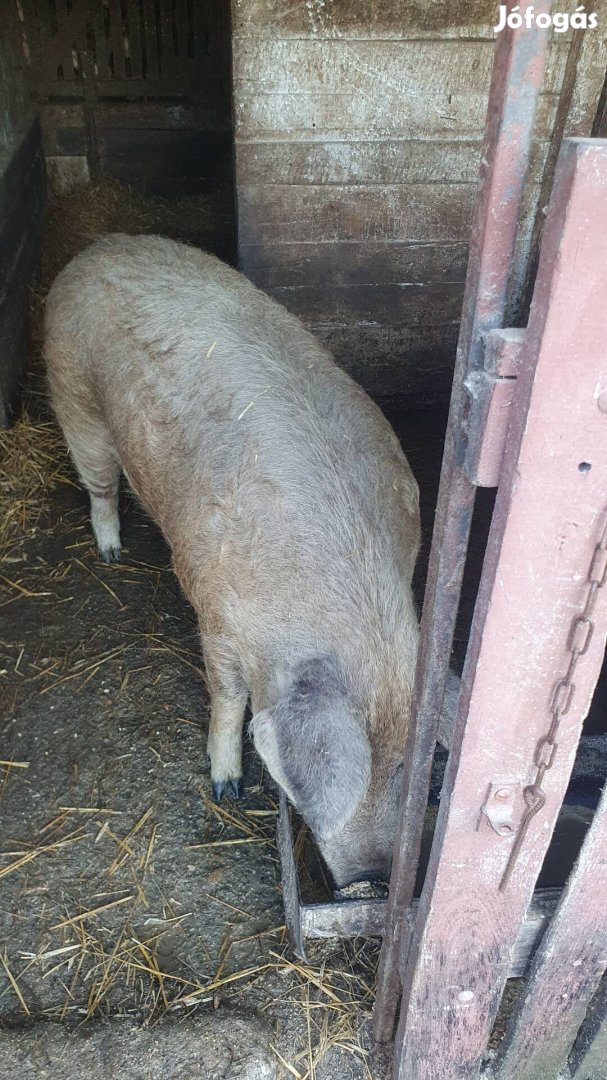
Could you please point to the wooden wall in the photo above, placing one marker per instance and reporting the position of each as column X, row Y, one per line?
column 138, row 90
column 22, row 195
column 358, row 128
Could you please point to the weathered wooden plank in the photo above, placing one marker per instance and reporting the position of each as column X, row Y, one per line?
column 552, row 511
column 165, row 161
column 117, row 39
column 166, row 39
column 98, row 15
column 135, row 39
column 22, row 193
column 395, row 361
column 359, row 18
column 357, row 263
column 391, row 304
column 411, row 212
column 588, row 1060
column 63, row 32
column 588, row 85
column 150, row 42
column 381, row 161
column 365, row 918
column 300, row 89
column 568, row 966
column 22, row 199
column 339, row 88
column 360, row 161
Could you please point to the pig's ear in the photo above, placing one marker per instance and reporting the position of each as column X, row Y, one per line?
column 315, row 746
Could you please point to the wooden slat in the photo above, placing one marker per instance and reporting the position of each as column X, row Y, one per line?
column 182, row 27
column 590, row 74
column 152, row 61
column 22, row 198
column 395, row 361
column 34, row 24
column 405, row 212
column 135, row 33
column 360, row 19
column 115, row 88
column 56, row 48
column 365, row 918
column 292, row 90
column 391, row 304
column 356, row 263
column 117, row 39
column 588, row 1060
column 102, row 43
column 342, row 89
column 548, row 517
column 568, row 966
column 359, row 161
column 166, row 44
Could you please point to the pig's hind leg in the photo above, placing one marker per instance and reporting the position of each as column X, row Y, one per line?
column 98, row 466
column 224, row 746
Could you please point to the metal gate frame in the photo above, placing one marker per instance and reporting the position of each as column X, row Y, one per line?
column 520, row 712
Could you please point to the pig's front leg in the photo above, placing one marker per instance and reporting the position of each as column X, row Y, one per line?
column 225, row 742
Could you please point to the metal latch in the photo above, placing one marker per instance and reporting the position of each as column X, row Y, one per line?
column 491, row 392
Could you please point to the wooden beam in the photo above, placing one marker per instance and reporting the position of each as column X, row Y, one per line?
column 567, row 967
column 549, row 518
column 365, row 918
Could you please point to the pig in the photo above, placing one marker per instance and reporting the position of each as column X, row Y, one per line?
column 289, row 507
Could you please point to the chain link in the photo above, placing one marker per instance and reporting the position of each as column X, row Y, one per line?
column 580, row 636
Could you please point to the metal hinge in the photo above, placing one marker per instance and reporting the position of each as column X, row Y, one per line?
column 491, row 393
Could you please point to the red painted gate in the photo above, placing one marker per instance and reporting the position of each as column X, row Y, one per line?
column 528, row 415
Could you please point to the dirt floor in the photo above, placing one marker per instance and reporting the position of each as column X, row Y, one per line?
column 126, row 893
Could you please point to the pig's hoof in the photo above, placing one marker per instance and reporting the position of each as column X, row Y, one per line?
column 218, row 789
column 235, row 787
column 228, row 787
column 110, row 554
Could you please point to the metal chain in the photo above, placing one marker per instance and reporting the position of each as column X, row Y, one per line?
column 580, row 636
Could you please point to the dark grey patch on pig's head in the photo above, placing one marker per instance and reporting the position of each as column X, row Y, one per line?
column 314, row 744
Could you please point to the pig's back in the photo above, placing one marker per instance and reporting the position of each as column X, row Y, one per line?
column 239, row 433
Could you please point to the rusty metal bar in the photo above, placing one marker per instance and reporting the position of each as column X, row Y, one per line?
column 515, row 85
column 568, row 966
column 545, row 565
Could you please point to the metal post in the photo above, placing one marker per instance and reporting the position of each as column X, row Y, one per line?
column 516, row 81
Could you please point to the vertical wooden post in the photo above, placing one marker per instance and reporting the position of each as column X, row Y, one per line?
column 515, row 85
column 568, row 965
column 589, row 1055
column 89, row 85
column 548, row 519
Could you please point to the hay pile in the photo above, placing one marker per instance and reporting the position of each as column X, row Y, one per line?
column 77, row 218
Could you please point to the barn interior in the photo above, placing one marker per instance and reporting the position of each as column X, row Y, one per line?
column 330, row 150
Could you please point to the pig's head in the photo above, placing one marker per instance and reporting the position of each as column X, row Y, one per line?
column 315, row 744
